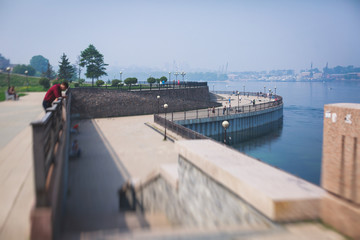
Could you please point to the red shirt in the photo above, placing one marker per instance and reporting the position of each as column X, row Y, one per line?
column 53, row 93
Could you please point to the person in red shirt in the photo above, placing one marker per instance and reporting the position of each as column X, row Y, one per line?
column 54, row 93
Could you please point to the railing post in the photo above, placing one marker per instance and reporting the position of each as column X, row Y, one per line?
column 39, row 164
column 197, row 114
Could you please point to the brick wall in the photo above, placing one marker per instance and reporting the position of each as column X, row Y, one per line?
column 341, row 168
column 100, row 103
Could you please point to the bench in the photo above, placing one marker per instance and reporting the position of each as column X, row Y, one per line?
column 8, row 96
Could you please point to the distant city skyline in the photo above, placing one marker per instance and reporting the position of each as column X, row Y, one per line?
column 185, row 35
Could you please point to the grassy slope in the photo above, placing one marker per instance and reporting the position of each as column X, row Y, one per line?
column 19, row 81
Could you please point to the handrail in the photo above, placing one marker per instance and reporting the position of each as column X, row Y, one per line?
column 208, row 113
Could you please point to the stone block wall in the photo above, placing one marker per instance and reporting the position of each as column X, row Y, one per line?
column 101, row 103
column 197, row 201
column 341, row 167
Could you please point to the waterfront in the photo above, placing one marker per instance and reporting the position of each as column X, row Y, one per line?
column 295, row 145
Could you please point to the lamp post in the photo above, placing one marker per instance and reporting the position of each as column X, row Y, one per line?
column 170, row 77
column 158, row 99
column 275, row 90
column 269, row 94
column 238, row 94
column 176, row 74
column 165, row 107
column 121, row 76
column 27, row 82
column 183, row 75
column 264, row 89
column 225, row 125
column 8, row 70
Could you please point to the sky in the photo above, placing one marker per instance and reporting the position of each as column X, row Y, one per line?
column 185, row 35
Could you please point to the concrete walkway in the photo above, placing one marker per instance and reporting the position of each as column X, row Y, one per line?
column 16, row 172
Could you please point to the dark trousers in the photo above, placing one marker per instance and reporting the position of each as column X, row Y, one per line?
column 46, row 105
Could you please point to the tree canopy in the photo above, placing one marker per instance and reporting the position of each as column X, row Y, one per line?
column 21, row 68
column 39, row 63
column 151, row 80
column 49, row 73
column 131, row 80
column 4, row 63
column 93, row 60
column 66, row 71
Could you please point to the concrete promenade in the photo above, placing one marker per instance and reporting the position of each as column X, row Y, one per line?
column 114, row 150
column 16, row 161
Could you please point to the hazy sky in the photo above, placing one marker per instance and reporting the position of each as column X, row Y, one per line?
column 187, row 35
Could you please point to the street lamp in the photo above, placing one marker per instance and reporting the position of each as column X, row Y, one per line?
column 169, row 77
column 275, row 90
column 27, row 82
column 225, row 125
column 8, row 70
column 121, row 76
column 264, row 89
column 244, row 89
column 183, row 74
column 176, row 74
column 165, row 107
column 158, row 99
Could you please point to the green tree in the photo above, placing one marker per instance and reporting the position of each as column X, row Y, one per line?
column 39, row 63
column 115, row 82
column 21, row 68
column 66, row 71
column 163, row 79
column 151, row 80
column 99, row 83
column 130, row 81
column 49, row 73
column 93, row 60
column 4, row 63
column 45, row 82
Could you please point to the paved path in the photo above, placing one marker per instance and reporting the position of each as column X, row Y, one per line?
column 16, row 172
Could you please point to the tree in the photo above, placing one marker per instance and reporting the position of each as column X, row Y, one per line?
column 163, row 79
column 21, row 68
column 49, row 73
column 151, row 80
column 130, row 81
column 99, row 83
column 4, row 63
column 66, row 71
column 44, row 82
column 115, row 82
column 39, row 63
column 93, row 60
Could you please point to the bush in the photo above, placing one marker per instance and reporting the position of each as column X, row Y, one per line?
column 130, row 81
column 76, row 84
column 44, row 82
column 115, row 82
column 99, row 83
column 151, row 80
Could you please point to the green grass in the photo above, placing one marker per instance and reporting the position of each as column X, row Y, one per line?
column 20, row 83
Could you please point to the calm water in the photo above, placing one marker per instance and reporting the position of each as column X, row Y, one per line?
column 295, row 145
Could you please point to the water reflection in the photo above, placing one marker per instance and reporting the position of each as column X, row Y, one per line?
column 247, row 140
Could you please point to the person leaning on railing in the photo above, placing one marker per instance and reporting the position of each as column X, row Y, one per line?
column 54, row 93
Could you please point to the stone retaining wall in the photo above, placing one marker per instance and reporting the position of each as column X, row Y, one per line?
column 101, row 103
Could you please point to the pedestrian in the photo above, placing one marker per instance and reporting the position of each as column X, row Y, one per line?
column 224, row 109
column 11, row 91
column 213, row 110
column 54, row 93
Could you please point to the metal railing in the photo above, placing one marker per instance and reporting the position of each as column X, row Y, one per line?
column 220, row 111
column 178, row 129
column 51, row 137
column 144, row 86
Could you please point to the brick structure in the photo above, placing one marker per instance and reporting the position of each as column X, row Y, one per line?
column 341, row 167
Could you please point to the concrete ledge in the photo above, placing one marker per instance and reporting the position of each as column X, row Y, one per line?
column 341, row 214
column 278, row 195
column 168, row 171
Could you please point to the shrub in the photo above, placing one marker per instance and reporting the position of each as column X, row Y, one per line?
column 99, row 83
column 115, row 82
column 44, row 82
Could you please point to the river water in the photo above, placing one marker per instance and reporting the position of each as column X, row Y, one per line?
column 295, row 144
